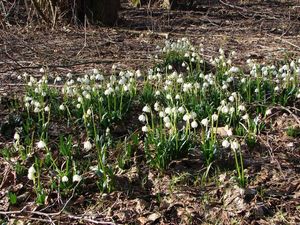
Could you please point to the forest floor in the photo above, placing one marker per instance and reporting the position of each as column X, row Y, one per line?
column 268, row 32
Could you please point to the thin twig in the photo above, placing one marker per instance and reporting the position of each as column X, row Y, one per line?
column 90, row 220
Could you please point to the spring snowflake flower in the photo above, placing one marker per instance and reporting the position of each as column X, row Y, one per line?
column 245, row 117
column 186, row 117
column 231, row 98
column 142, row 118
column 225, row 109
column 225, row 143
column 228, row 131
column 64, row 179
column 89, row 112
column 57, row 79
column 181, row 109
column 146, row 109
column 256, row 119
column 241, row 108
column 87, row 145
column 234, row 145
column 168, row 110
column 62, row 107
column 234, row 69
column 194, row 124
column 87, row 96
column 170, row 67
column 31, row 173
column 215, row 117
column 108, row 91
column 41, row 144
column 168, row 125
column 268, row 112
column 276, row 89
column 161, row 114
column 224, row 87
column 17, row 136
column 156, row 106
column 193, row 115
column 204, row 122
column 47, row 109
column 76, row 178
column 145, row 129
column 166, row 119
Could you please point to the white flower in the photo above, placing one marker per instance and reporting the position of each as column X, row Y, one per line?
column 157, row 93
column 234, row 69
column 145, row 129
column 146, row 109
column 276, row 89
column 47, row 109
column 231, row 98
column 17, row 136
column 228, row 131
column 225, row 109
column 268, row 112
column 156, row 106
column 57, row 79
column 215, row 117
column 166, row 119
column 204, row 122
column 245, row 117
column 108, row 91
column 89, row 112
column 225, row 143
column 161, row 114
column 170, row 67
column 168, row 110
column 142, row 118
column 62, row 107
column 193, row 115
column 181, row 109
column 187, row 117
column 64, row 179
column 41, row 144
column 31, row 173
column 87, row 145
column 241, row 108
column 235, row 145
column 168, row 124
column 194, row 124
column 232, row 109
column 77, row 178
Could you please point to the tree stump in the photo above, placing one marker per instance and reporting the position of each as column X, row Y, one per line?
column 102, row 11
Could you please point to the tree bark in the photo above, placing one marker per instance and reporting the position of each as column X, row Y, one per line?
column 102, row 11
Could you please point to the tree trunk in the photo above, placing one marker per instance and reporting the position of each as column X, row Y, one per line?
column 102, row 11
